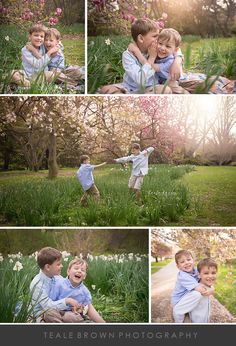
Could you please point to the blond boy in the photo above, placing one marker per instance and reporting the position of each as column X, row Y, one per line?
column 73, row 287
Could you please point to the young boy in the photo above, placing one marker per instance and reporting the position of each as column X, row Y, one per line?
column 139, row 72
column 73, row 287
column 49, row 262
column 140, row 168
column 71, row 74
column 85, row 176
column 189, row 292
column 32, row 66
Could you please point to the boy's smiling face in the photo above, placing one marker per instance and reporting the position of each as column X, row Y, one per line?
column 207, row 275
column 185, row 263
column 37, row 38
column 77, row 273
column 166, row 48
column 50, row 42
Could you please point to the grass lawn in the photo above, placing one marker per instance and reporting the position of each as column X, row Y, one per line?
column 225, row 287
column 156, row 266
column 210, row 56
column 213, row 191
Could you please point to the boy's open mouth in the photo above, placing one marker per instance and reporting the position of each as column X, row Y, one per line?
column 78, row 276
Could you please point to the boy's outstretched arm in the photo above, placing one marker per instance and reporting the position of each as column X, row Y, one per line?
column 94, row 315
column 101, row 164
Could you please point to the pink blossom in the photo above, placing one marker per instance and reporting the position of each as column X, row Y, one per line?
column 58, row 11
column 52, row 21
column 3, row 10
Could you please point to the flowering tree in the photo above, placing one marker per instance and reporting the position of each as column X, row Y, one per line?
column 120, row 14
column 24, row 13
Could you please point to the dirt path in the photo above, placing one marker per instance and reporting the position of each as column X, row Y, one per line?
column 163, row 283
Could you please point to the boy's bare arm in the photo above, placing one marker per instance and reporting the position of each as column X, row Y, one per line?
column 33, row 50
column 101, row 164
column 209, row 291
column 94, row 315
column 176, row 68
column 152, row 52
column 133, row 48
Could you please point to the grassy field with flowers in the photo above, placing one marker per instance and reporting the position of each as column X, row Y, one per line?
column 30, row 199
column 118, row 284
column 212, row 56
column 12, row 40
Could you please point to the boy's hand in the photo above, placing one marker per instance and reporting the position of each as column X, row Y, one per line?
column 209, row 291
column 152, row 51
column 201, row 289
column 75, row 305
column 133, row 48
column 53, row 51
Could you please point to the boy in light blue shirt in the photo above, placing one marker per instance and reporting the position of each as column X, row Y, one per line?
column 139, row 168
column 190, row 295
column 73, row 287
column 85, row 176
column 41, row 287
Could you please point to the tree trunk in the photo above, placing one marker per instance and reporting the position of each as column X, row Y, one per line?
column 52, row 156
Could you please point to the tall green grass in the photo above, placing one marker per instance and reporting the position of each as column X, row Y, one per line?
column 118, row 284
column 34, row 201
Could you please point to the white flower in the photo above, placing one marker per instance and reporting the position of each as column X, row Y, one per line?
column 108, row 42
column 66, row 259
column 18, row 266
column 7, row 38
column 11, row 260
column 1, row 258
column 65, row 254
column 93, row 287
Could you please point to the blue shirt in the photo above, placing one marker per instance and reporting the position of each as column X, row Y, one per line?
column 64, row 289
column 164, row 65
column 31, row 65
column 41, row 288
column 185, row 282
column 57, row 61
column 140, row 161
column 137, row 76
column 85, row 175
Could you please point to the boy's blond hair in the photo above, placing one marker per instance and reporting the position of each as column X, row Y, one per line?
column 206, row 262
column 38, row 28
column 48, row 255
column 170, row 34
column 53, row 32
column 142, row 27
column 181, row 253
column 136, row 146
column 77, row 260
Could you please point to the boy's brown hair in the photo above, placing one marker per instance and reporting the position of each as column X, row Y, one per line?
column 181, row 253
column 77, row 260
column 83, row 158
column 38, row 28
column 142, row 27
column 206, row 262
column 48, row 255
column 53, row 32
column 170, row 34
column 136, row 146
